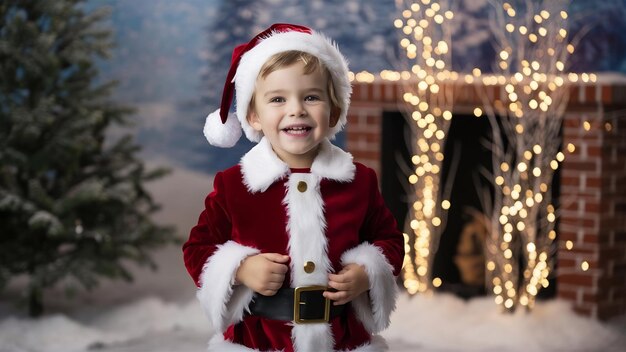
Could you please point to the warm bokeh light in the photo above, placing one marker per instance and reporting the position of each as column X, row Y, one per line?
column 534, row 87
column 535, row 82
column 427, row 56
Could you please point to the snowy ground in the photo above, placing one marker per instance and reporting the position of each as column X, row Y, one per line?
column 438, row 323
column 158, row 313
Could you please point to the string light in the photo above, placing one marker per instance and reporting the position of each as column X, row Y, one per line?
column 535, row 86
column 427, row 56
column 535, row 89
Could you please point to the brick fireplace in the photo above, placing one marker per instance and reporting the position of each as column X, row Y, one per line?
column 592, row 224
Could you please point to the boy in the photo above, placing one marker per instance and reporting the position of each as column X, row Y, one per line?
column 295, row 249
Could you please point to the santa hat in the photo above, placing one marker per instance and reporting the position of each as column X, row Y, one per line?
column 222, row 130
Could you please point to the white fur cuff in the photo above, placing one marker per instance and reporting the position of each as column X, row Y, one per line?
column 224, row 303
column 374, row 311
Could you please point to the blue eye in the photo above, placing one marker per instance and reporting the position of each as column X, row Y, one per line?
column 312, row 98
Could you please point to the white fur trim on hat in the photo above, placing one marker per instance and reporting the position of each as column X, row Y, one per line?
column 315, row 44
column 220, row 134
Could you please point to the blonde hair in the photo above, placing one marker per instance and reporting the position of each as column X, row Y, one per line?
column 311, row 64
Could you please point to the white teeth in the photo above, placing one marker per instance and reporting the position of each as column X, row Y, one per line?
column 296, row 129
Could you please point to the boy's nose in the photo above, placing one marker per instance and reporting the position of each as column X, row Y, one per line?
column 296, row 109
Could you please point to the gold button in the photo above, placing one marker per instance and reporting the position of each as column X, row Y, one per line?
column 302, row 186
column 309, row 267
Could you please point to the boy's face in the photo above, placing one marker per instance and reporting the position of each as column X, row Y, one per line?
column 293, row 110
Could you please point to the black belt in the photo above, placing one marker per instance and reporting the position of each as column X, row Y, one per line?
column 302, row 305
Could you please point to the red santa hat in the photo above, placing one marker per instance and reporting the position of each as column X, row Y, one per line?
column 222, row 130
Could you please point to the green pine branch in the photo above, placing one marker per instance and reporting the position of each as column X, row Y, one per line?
column 73, row 205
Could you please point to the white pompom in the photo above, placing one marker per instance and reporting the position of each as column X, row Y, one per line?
column 224, row 135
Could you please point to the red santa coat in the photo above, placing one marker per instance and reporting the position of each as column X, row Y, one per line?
column 331, row 215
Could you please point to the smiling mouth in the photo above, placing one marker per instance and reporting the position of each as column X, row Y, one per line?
column 297, row 130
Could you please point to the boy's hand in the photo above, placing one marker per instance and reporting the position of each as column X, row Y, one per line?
column 263, row 273
column 350, row 282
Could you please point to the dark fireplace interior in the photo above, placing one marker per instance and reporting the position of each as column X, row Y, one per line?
column 459, row 260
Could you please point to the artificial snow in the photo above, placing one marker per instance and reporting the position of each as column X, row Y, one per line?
column 60, row 333
column 444, row 322
column 420, row 323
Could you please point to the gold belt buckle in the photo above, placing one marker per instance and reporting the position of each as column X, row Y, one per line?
column 297, row 303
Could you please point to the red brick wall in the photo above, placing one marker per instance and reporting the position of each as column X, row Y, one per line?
column 593, row 184
column 364, row 129
column 594, row 204
column 612, row 239
column 581, row 196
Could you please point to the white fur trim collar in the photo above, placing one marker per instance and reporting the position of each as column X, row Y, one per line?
column 261, row 167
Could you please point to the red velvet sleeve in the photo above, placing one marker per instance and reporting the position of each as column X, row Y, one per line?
column 380, row 226
column 213, row 229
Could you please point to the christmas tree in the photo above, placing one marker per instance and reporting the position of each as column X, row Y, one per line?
column 73, row 207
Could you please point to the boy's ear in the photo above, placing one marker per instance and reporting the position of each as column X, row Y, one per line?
column 253, row 119
column 335, row 112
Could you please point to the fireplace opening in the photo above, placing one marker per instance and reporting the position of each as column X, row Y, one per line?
column 459, row 260
column 394, row 158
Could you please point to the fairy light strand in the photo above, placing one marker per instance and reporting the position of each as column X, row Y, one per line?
column 532, row 57
column 532, row 60
column 425, row 41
